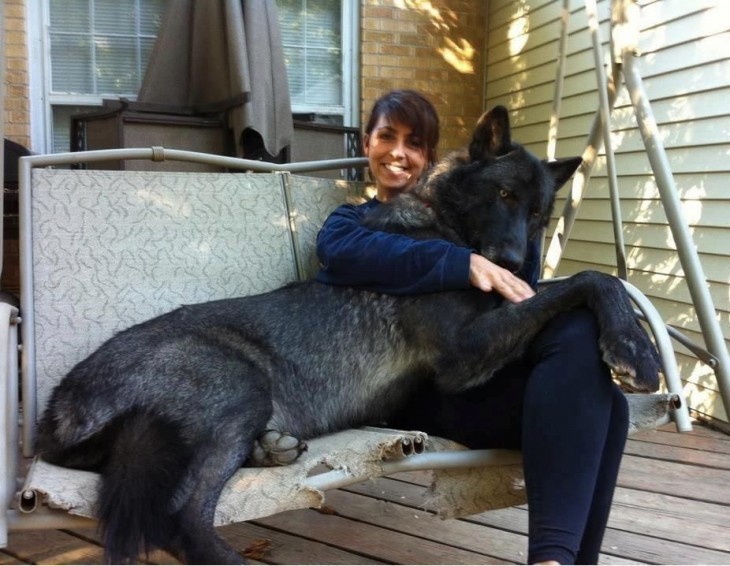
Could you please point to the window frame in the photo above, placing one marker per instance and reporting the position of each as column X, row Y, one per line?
column 349, row 49
column 351, row 62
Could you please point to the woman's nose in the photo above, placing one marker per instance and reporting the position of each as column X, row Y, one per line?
column 398, row 149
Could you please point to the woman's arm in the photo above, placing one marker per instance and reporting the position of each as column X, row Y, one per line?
column 392, row 263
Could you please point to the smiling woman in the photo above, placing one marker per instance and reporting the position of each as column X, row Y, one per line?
column 400, row 141
column 396, row 157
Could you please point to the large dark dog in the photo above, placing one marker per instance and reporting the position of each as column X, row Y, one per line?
column 169, row 409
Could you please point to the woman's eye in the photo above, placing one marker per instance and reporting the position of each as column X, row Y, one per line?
column 415, row 142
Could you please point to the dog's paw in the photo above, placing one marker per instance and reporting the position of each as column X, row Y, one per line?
column 274, row 448
column 634, row 360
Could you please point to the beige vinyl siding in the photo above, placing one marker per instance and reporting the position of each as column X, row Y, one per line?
column 685, row 63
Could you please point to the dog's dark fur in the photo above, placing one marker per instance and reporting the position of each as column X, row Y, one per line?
column 169, row 409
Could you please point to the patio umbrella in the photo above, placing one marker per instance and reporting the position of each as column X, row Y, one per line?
column 224, row 55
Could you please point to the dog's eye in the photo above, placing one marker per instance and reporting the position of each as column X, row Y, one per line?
column 504, row 193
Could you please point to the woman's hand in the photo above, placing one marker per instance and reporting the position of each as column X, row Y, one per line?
column 488, row 276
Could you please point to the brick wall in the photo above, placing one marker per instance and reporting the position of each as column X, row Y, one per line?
column 17, row 106
column 436, row 47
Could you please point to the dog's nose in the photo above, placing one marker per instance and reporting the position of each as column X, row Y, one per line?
column 510, row 260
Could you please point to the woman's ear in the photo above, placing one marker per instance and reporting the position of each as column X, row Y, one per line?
column 366, row 145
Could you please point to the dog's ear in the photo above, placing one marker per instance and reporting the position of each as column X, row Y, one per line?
column 563, row 169
column 492, row 136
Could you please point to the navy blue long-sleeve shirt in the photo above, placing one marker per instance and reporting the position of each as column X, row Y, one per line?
column 353, row 255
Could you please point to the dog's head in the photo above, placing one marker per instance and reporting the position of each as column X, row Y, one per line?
column 497, row 195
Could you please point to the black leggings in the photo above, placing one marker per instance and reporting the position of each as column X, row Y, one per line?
column 559, row 405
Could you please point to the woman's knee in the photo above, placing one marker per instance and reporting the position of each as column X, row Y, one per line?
column 573, row 331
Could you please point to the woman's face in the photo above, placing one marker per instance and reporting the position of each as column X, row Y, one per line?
column 395, row 156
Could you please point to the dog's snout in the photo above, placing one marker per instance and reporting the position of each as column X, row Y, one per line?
column 508, row 254
column 510, row 260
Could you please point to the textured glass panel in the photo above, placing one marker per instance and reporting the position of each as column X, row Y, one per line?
column 294, row 60
column 116, row 65
column 291, row 21
column 324, row 78
column 71, row 64
column 115, row 16
column 323, row 23
column 70, row 15
column 150, row 16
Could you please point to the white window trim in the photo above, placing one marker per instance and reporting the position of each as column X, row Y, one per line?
column 351, row 61
column 40, row 132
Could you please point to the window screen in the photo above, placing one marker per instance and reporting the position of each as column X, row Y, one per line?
column 311, row 33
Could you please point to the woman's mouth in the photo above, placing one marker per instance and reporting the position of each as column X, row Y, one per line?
column 396, row 168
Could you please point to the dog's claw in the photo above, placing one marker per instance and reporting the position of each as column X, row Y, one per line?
column 275, row 448
column 634, row 360
column 630, row 384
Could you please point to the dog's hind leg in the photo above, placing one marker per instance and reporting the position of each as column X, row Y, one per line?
column 155, row 459
column 197, row 541
column 145, row 463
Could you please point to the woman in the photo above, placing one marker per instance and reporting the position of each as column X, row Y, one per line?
column 557, row 404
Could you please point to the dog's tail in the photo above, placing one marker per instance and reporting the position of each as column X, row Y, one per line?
column 146, row 462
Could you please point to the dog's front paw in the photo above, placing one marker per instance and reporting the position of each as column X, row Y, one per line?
column 634, row 360
column 274, row 448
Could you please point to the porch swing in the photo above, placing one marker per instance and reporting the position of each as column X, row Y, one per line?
column 289, row 208
column 624, row 65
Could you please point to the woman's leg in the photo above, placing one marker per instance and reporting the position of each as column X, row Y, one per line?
column 603, row 496
column 574, row 431
column 560, row 406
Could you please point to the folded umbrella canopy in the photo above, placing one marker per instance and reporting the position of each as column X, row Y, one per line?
column 224, row 55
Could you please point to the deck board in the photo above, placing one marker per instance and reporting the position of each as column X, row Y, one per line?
column 670, row 478
column 672, row 506
column 678, row 454
column 373, row 540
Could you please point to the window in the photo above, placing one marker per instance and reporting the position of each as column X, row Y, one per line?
column 94, row 49
column 83, row 51
column 101, row 46
column 320, row 41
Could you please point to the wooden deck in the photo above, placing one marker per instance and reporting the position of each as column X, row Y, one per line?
column 672, row 507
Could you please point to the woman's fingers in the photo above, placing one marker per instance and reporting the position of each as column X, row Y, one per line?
column 488, row 276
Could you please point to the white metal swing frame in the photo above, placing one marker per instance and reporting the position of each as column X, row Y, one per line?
column 624, row 65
